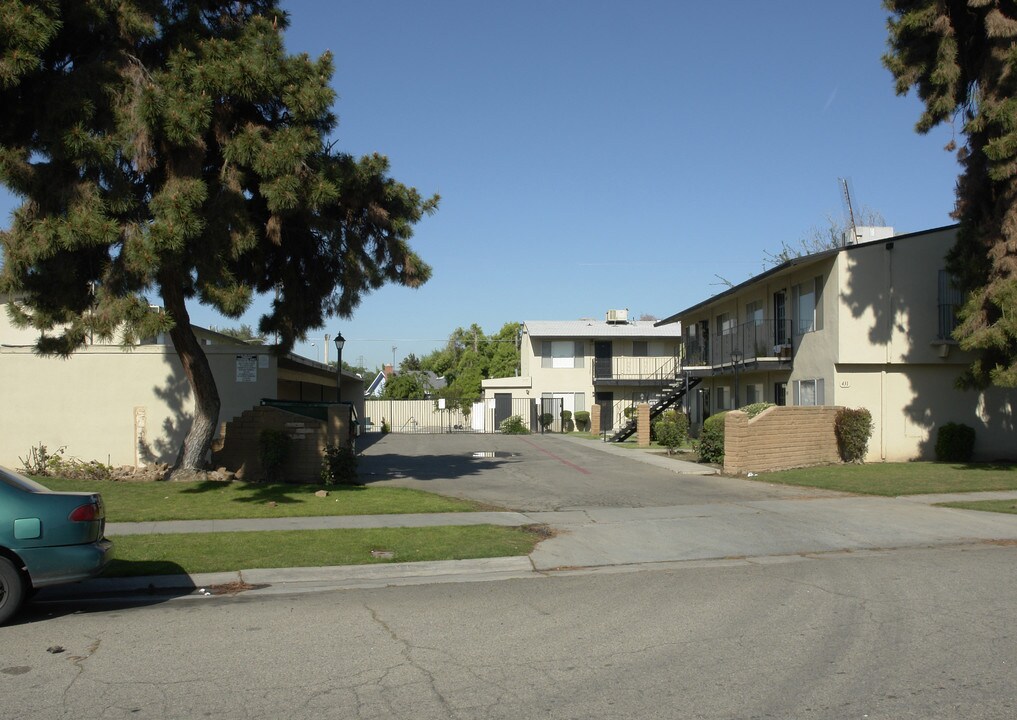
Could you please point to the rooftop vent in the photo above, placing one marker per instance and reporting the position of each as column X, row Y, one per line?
column 618, row 317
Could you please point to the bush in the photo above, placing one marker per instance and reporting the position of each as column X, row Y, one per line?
column 853, row 429
column 385, row 429
column 582, row 420
column 630, row 412
column 339, row 466
column 671, row 437
column 566, row 421
column 955, row 442
column 672, row 430
column 711, row 439
column 755, row 408
column 514, row 425
column 273, row 451
column 545, row 419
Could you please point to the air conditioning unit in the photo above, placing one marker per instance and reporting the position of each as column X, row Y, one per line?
column 618, row 316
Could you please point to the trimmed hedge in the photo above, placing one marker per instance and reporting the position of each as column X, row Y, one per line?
column 711, row 439
column 955, row 442
column 853, row 428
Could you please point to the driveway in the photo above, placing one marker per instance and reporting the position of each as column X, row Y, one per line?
column 532, row 473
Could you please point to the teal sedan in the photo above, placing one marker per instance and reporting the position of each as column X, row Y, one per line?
column 46, row 538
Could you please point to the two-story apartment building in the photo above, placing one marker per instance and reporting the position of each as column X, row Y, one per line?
column 570, row 364
column 865, row 325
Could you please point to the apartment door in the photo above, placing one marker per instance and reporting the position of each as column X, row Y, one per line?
column 606, row 402
column 603, row 359
column 780, row 318
column 502, row 407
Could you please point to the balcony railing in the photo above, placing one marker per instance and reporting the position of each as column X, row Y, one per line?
column 655, row 368
column 764, row 339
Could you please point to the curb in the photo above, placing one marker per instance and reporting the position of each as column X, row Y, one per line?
column 270, row 581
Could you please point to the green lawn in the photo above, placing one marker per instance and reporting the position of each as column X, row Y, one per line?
column 216, row 552
column 1002, row 506
column 891, row 479
column 149, row 501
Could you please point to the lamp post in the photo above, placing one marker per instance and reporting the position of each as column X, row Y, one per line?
column 736, row 359
column 339, row 342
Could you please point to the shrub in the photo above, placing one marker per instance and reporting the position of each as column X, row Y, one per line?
column 630, row 412
column 955, row 442
column 545, row 419
column 566, row 421
column 755, row 408
column 514, row 425
column 273, row 450
column 385, row 429
column 672, row 430
column 853, row 429
column 711, row 439
column 339, row 466
column 582, row 420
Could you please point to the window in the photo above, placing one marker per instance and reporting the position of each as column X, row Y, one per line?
column 562, row 354
column 721, row 393
column 780, row 393
column 754, row 313
column 725, row 324
column 807, row 302
column 809, row 392
column 753, row 394
column 950, row 298
column 640, row 348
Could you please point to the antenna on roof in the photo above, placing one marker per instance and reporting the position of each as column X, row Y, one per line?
column 845, row 191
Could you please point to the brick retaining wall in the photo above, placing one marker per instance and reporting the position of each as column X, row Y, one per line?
column 779, row 438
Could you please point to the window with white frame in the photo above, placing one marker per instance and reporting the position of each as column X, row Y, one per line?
column 722, row 396
column 808, row 392
column 807, row 302
column 725, row 324
column 562, row 354
column 753, row 393
column 754, row 313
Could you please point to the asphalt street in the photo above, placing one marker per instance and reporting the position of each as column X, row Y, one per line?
column 663, row 595
column 919, row 633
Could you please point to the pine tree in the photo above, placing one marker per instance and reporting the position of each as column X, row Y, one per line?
column 173, row 148
column 961, row 57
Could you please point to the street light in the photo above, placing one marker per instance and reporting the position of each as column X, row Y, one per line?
column 339, row 342
column 736, row 359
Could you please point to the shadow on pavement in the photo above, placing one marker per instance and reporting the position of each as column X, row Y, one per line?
column 104, row 594
column 372, row 468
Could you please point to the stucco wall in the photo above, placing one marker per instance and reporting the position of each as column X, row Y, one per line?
column 113, row 406
column 779, row 438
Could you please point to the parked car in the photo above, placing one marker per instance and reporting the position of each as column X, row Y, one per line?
column 46, row 538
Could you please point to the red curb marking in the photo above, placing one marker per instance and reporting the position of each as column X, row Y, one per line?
column 562, row 460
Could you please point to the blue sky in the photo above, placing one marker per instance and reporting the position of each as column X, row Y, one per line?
column 596, row 155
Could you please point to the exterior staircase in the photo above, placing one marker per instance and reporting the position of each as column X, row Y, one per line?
column 659, row 402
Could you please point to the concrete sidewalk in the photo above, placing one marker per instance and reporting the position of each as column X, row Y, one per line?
column 595, row 539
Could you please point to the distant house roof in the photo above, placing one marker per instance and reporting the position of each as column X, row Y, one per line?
column 597, row 329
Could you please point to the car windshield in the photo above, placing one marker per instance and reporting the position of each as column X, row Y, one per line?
column 16, row 480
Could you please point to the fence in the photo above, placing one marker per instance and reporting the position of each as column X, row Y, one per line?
column 435, row 417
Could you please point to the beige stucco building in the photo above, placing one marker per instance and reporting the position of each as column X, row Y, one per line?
column 134, row 406
column 571, row 364
column 866, row 325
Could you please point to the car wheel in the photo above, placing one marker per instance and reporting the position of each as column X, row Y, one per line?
column 12, row 590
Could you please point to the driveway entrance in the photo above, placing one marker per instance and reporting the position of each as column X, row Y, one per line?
column 546, row 472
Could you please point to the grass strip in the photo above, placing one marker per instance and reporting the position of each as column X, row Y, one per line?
column 892, row 479
column 152, row 501
column 1000, row 506
column 220, row 552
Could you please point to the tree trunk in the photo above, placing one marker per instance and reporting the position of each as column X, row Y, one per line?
column 199, row 376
